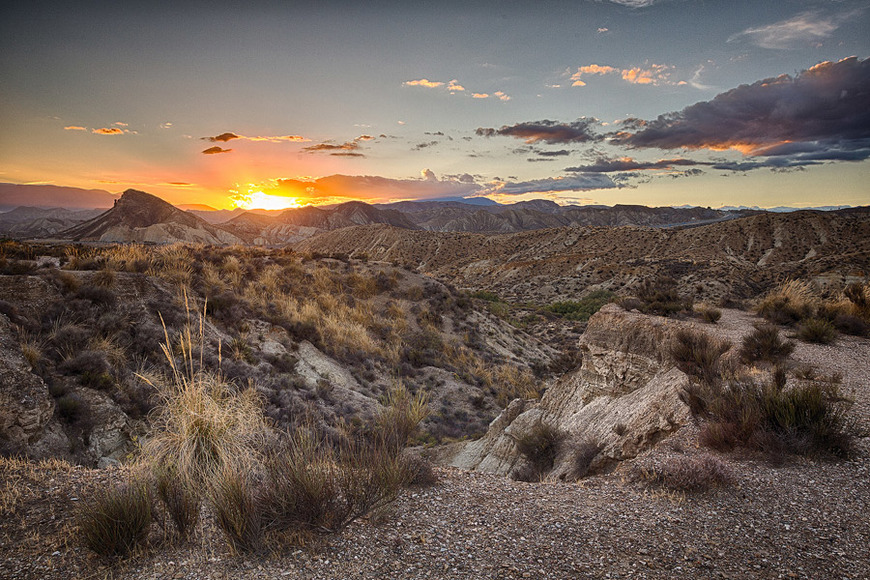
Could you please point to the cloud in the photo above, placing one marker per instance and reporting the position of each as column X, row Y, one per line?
column 546, row 131
column 602, row 30
column 215, row 150
column 424, row 83
column 454, row 86
column 120, row 124
column 826, row 104
column 222, row 138
column 425, row 145
column 480, row 95
column 74, row 128
column 803, row 29
column 654, row 74
column 604, row 165
column 559, row 153
column 228, row 136
column 501, row 96
column 346, row 154
column 346, row 146
column 635, row 3
column 364, row 138
column 428, row 175
column 166, row 125
column 107, row 131
column 551, row 184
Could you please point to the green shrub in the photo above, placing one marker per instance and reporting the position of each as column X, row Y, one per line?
column 486, row 295
column 113, row 522
column 581, row 309
column 661, row 297
column 817, row 330
column 764, row 344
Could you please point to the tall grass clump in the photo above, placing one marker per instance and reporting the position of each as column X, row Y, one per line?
column 790, row 303
column 817, row 330
column 113, row 522
column 204, row 424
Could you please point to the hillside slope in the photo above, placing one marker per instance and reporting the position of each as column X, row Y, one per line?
column 735, row 258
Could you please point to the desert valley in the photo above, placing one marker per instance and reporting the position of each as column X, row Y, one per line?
column 567, row 289
column 640, row 392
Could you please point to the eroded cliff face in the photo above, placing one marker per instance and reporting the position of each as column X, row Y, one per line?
column 624, row 398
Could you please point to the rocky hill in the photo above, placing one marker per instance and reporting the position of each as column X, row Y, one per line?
column 140, row 217
column 737, row 258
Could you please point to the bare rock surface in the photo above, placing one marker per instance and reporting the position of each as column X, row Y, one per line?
column 624, row 397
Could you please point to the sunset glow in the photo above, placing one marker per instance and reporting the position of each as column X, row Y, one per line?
column 560, row 100
column 260, row 200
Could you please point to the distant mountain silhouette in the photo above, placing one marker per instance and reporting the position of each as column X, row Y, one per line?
column 141, row 217
column 13, row 195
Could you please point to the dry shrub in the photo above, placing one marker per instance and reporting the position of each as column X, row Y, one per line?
column 181, row 502
column 581, row 455
column 204, row 425
column 693, row 473
column 697, row 354
column 538, row 446
column 764, row 344
column 708, row 313
column 791, row 302
column 808, row 418
column 237, row 512
column 817, row 330
column 114, row 521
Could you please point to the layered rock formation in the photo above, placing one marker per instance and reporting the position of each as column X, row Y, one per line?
column 624, row 398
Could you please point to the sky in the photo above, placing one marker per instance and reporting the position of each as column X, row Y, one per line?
column 276, row 104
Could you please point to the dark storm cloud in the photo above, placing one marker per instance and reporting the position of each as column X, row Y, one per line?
column 545, row 131
column 828, row 102
column 559, row 153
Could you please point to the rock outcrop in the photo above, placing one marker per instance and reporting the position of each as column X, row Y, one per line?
column 624, row 398
column 26, row 408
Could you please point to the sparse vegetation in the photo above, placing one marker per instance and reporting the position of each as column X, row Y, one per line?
column 581, row 309
column 817, row 330
column 765, row 344
column 692, row 473
column 697, row 355
column 538, row 447
column 113, row 522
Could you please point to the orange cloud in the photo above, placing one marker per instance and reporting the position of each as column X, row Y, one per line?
column 74, row 128
column 654, row 75
column 479, row 95
column 424, row 83
column 454, row 86
column 107, row 131
column 501, row 96
column 594, row 69
column 229, row 136
column 120, row 124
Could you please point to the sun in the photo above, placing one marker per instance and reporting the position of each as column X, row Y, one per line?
column 260, row 200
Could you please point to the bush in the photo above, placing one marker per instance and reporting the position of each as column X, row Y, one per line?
column 817, row 330
column 693, row 473
column 581, row 309
column 582, row 453
column 849, row 324
column 697, row 355
column 806, row 419
column 764, row 343
column 538, row 446
column 660, row 296
column 709, row 314
column 790, row 303
column 114, row 522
